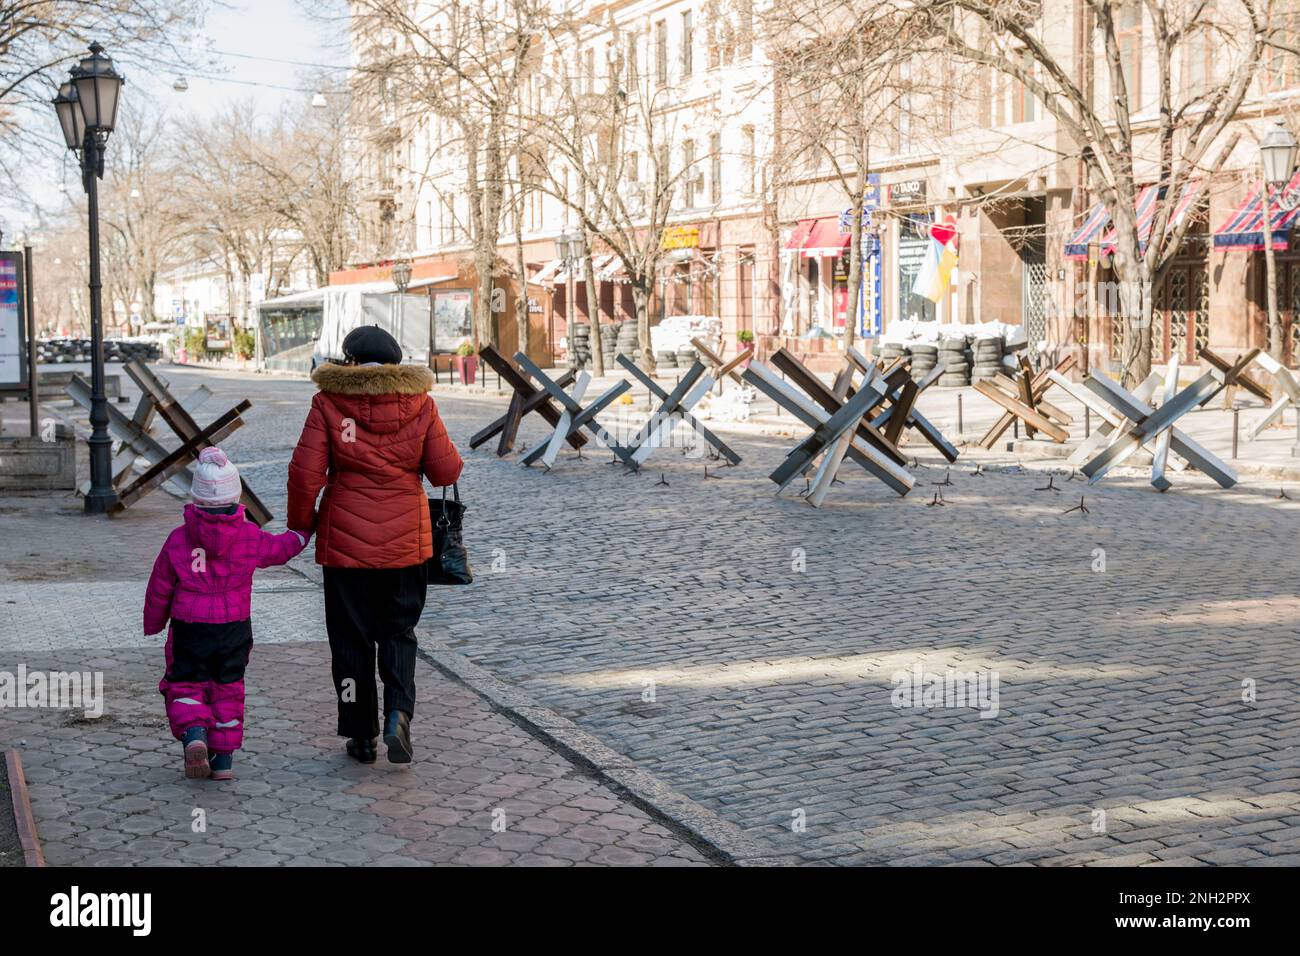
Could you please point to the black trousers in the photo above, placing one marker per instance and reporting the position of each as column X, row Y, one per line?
column 369, row 611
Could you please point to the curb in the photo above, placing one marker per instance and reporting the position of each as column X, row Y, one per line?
column 23, row 818
column 721, row 841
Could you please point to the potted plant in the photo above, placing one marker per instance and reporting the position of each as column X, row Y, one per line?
column 466, row 363
column 245, row 344
column 744, row 340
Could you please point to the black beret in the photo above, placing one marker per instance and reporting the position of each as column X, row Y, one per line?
column 370, row 343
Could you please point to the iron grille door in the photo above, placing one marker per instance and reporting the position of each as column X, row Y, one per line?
column 1033, row 288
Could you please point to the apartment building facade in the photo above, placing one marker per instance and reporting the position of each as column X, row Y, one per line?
column 764, row 247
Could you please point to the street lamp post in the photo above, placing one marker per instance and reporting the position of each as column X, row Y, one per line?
column 87, row 111
column 568, row 248
column 1277, row 156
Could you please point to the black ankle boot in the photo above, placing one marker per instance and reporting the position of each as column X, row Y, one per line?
column 362, row 749
column 397, row 736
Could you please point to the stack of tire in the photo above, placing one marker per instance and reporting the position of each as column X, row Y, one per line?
column 685, row 356
column 954, row 360
column 58, row 351
column 924, row 359
column 608, row 345
column 987, row 358
column 625, row 342
column 580, row 347
column 890, row 352
column 665, row 359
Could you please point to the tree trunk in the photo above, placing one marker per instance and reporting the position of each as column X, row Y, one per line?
column 593, row 309
column 1136, row 306
column 521, row 300
column 641, row 299
column 483, row 326
column 855, row 273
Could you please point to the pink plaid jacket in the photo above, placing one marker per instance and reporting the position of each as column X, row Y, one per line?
column 204, row 572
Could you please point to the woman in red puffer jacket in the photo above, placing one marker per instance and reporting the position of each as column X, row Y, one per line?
column 371, row 433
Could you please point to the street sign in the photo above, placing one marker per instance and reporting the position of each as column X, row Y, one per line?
column 13, row 302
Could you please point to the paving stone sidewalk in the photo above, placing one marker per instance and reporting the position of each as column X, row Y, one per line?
column 481, row 791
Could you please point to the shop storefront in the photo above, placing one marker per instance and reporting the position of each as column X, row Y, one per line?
column 913, row 243
column 909, row 232
column 1243, row 231
column 1181, row 316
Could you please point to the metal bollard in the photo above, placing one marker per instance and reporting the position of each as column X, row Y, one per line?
column 1236, row 418
column 961, row 428
column 1015, row 429
column 1087, row 422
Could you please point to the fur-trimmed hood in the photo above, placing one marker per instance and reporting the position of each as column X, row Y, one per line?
column 372, row 379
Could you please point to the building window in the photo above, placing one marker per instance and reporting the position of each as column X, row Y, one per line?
column 661, row 52
column 633, row 69
column 663, row 181
column 688, row 44
column 751, row 157
column 688, row 171
column 745, row 28
column 447, row 221
column 715, row 168
column 904, row 125
column 633, row 170
column 589, row 81
column 1282, row 67
column 1024, row 107
column 1198, row 65
column 1129, row 37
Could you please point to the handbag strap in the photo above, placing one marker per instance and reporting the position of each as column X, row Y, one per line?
column 455, row 490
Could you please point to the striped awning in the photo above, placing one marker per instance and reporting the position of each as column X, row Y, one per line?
column 547, row 275
column 598, row 262
column 1145, row 208
column 1093, row 224
column 612, row 270
column 1245, row 227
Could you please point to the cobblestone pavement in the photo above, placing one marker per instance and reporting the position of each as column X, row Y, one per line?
column 481, row 791
column 743, row 649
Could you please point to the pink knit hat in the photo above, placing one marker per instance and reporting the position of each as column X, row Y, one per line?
column 216, row 480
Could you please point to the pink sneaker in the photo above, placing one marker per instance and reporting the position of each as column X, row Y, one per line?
column 196, row 760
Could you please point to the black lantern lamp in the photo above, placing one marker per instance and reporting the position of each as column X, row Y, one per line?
column 87, row 109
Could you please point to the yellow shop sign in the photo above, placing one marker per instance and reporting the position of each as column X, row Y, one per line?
column 680, row 237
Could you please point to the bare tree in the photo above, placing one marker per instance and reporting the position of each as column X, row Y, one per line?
column 462, row 60
column 307, row 185
column 1184, row 129
column 841, row 83
column 142, row 218
column 607, row 142
column 40, row 39
column 233, row 212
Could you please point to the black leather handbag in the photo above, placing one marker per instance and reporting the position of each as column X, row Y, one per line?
column 450, row 561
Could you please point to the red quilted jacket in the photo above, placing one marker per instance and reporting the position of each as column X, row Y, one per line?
column 371, row 432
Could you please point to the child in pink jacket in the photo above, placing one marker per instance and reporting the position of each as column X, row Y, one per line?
column 203, row 581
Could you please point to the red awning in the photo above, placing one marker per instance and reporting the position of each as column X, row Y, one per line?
column 799, row 235
column 1245, row 227
column 825, row 239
